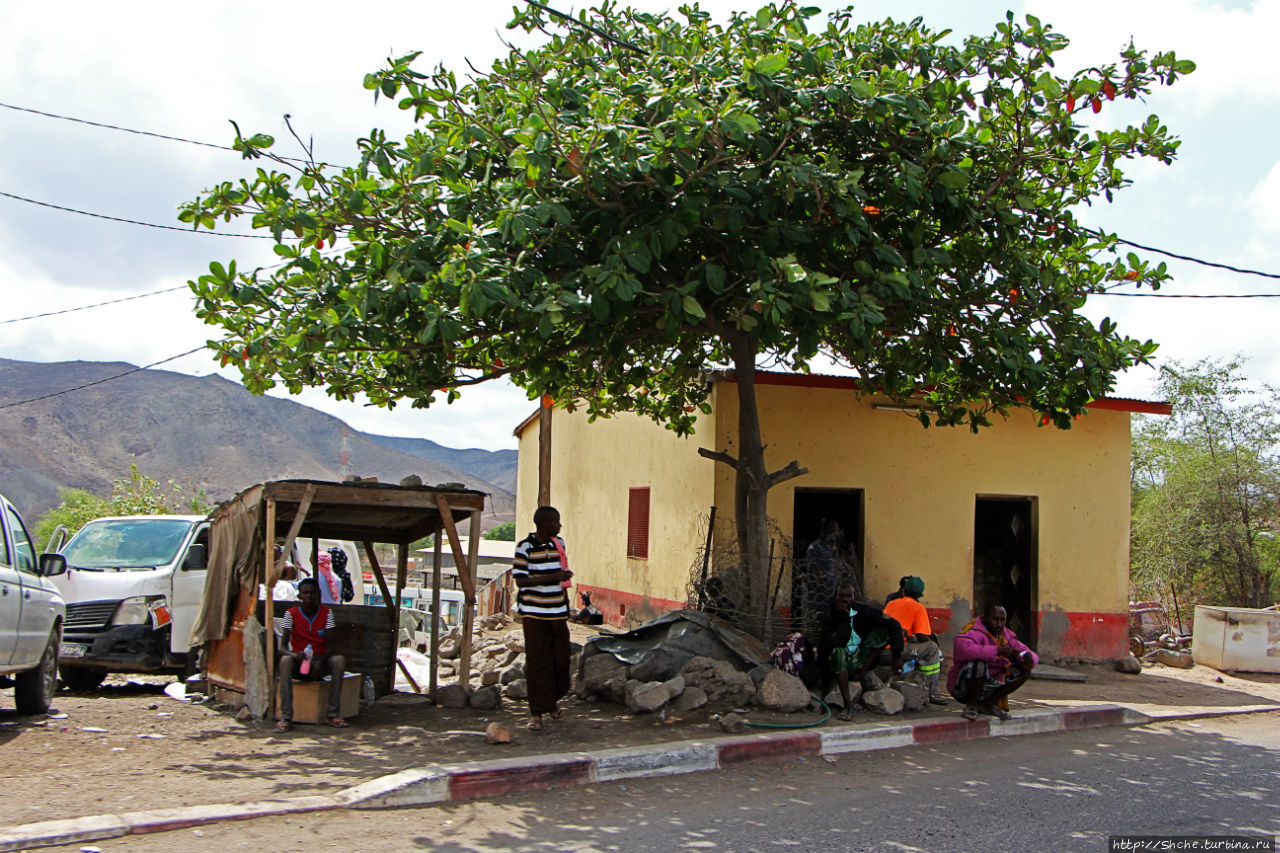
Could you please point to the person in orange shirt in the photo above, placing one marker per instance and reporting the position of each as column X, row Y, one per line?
column 921, row 644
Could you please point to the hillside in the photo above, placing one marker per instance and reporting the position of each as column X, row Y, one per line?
column 206, row 432
column 496, row 466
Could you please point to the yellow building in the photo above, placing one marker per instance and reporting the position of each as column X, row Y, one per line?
column 1033, row 517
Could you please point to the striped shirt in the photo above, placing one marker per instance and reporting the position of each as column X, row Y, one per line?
column 534, row 558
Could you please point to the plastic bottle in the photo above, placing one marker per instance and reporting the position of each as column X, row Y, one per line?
column 305, row 668
column 367, row 693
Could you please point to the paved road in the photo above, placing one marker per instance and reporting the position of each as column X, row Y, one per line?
column 1063, row 792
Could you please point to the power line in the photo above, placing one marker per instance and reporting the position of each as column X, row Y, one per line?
column 100, row 381
column 1188, row 258
column 94, row 305
column 1193, row 295
column 133, row 221
column 106, row 126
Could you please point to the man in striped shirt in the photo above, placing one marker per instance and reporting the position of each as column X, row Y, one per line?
column 541, row 572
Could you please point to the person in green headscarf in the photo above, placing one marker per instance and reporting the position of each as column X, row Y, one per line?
column 921, row 643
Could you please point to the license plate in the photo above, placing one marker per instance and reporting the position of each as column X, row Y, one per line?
column 72, row 650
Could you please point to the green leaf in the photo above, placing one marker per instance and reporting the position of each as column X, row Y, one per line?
column 771, row 64
column 692, row 308
column 953, row 179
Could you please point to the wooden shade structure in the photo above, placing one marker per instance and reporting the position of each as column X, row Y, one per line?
column 246, row 529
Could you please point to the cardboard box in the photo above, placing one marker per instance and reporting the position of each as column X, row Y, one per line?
column 311, row 699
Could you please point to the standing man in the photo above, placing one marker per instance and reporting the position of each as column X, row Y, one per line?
column 305, row 640
column 541, row 572
column 922, row 645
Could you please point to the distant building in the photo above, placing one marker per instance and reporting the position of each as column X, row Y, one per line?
column 1032, row 517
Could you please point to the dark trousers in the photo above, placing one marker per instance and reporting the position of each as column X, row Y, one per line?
column 546, row 669
column 333, row 666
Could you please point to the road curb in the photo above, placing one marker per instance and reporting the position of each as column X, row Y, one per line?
column 444, row 783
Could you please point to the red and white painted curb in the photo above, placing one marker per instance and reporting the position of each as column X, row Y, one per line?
column 443, row 783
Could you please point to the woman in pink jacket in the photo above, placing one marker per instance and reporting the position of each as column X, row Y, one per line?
column 988, row 663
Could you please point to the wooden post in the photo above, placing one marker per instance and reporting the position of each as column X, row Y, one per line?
column 268, row 615
column 706, row 559
column 544, row 451
column 402, row 568
column 468, row 591
column 435, row 611
column 473, row 548
column 377, row 573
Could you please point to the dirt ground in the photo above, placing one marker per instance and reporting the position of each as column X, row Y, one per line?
column 129, row 746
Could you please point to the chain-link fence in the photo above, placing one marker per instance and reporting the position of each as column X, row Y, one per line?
column 799, row 588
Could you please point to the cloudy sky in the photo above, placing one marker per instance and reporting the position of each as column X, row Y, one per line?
column 186, row 69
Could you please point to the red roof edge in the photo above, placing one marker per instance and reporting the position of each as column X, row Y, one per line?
column 852, row 383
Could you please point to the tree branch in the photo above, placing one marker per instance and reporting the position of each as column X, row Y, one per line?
column 790, row 472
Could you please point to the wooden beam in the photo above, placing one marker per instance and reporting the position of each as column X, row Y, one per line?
column 402, row 568
column 435, row 612
column 299, row 516
column 377, row 573
column 473, row 543
column 468, row 593
column 268, row 610
column 544, row 451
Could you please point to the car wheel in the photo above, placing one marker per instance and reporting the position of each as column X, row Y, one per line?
column 1137, row 648
column 33, row 690
column 82, row 678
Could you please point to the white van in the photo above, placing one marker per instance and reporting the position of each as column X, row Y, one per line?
column 133, row 588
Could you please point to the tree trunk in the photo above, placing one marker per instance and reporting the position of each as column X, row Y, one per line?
column 751, row 490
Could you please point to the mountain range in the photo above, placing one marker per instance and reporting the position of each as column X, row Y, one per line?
column 203, row 433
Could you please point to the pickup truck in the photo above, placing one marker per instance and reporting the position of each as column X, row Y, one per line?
column 133, row 588
column 31, row 615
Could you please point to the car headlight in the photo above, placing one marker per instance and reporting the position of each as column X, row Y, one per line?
column 132, row 611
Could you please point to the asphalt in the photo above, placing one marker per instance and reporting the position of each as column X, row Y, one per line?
column 448, row 783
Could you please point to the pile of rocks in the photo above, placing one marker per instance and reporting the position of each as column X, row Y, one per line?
column 902, row 693
column 497, row 665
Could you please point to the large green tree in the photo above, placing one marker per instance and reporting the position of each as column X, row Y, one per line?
column 644, row 197
column 1206, row 489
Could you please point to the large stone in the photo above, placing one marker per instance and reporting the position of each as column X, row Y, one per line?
column 514, row 641
column 782, row 691
column 511, row 673
column 760, row 673
column 451, row 696
column 497, row 733
column 871, row 682
column 599, row 670
column 486, row 698
column 723, row 684
column 449, row 649
column 914, row 696
column 835, row 700
column 518, row 689
column 690, row 700
column 1129, row 665
column 884, row 701
column 647, row 697
column 661, row 665
column 675, row 685
column 615, row 690
column 1171, row 658
column 731, row 723
column 490, row 676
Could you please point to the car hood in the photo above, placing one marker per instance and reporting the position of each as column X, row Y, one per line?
column 81, row 585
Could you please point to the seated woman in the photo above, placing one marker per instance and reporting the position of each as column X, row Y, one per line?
column 990, row 662
column 850, row 639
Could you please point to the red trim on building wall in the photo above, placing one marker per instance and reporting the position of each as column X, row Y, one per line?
column 616, row 604
column 851, row 383
column 1060, row 634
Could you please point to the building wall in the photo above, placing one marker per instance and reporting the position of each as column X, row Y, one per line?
column 920, row 487
column 593, row 467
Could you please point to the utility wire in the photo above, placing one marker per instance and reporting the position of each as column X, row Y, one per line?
column 104, row 379
column 94, row 305
column 1192, row 295
column 133, row 221
column 132, row 130
column 1188, row 258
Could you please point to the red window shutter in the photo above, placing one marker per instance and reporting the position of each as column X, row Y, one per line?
column 638, row 523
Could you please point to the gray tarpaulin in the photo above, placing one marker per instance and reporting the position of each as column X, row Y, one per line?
column 658, row 649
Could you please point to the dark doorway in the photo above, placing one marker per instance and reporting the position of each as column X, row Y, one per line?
column 812, row 586
column 1004, row 560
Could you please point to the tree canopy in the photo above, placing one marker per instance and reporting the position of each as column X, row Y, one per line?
column 1206, row 489
column 642, row 198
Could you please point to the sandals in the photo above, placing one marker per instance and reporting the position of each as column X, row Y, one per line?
column 996, row 711
column 339, row 723
column 845, row 714
column 970, row 713
column 557, row 714
column 283, row 726
column 534, row 724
